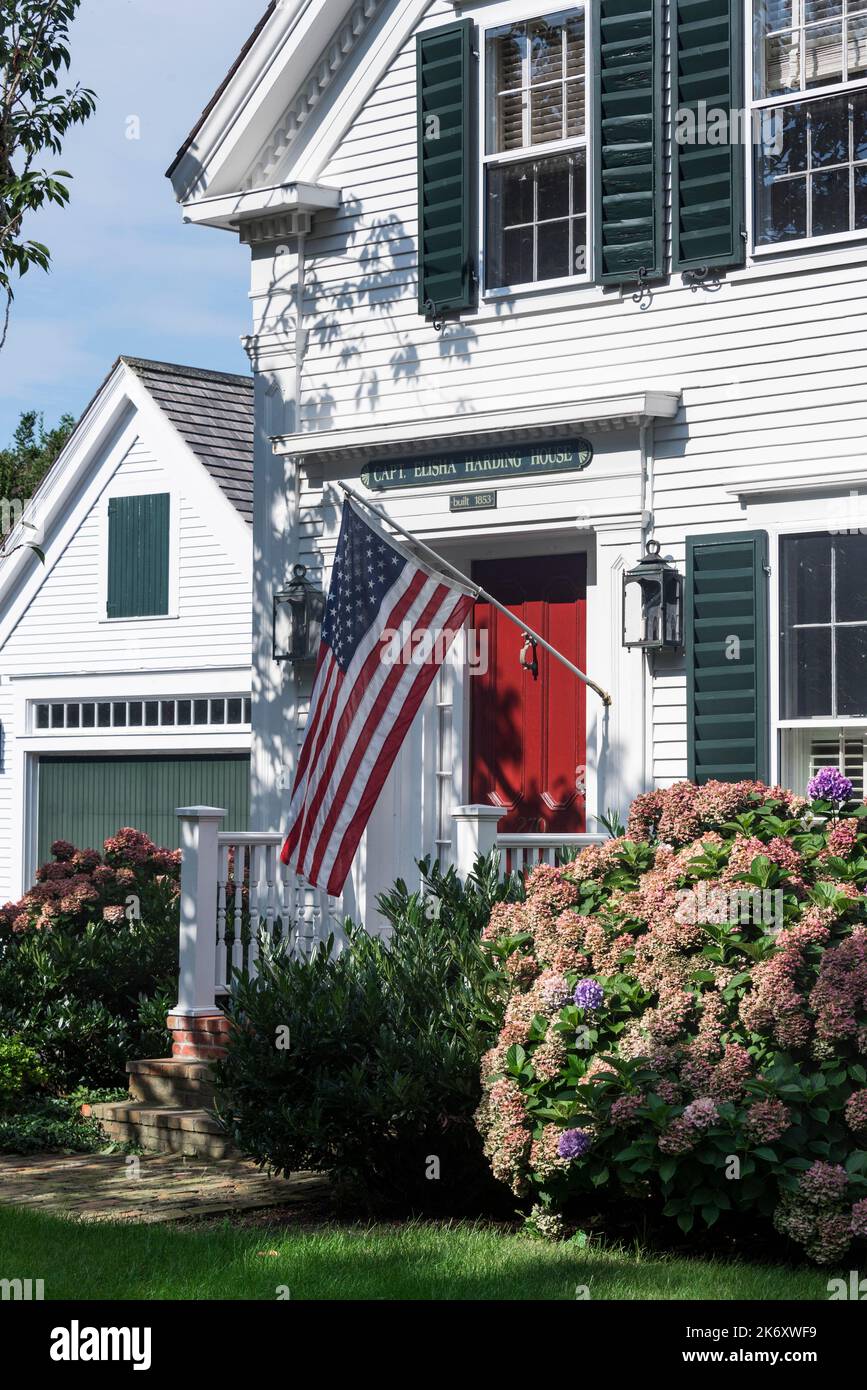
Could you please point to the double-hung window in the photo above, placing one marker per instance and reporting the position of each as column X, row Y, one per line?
column 536, row 160
column 823, row 654
column 810, row 97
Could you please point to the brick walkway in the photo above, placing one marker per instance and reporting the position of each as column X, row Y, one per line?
column 145, row 1187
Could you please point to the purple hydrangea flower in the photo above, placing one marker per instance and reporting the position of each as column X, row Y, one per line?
column 574, row 1143
column 829, row 784
column 588, row 994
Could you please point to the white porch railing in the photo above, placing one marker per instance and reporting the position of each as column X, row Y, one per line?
column 235, row 892
column 476, row 833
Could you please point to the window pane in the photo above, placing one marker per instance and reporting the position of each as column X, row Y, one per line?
column 829, row 131
column 822, row 9
column 508, row 47
column 233, row 711
column 546, row 114
column 200, row 711
column 515, row 183
column 806, row 579
column 185, row 711
column 856, row 48
column 859, row 123
column 576, row 119
column 518, row 256
column 88, row 716
column 782, row 210
column 218, row 711
column 823, row 55
column 509, row 133
column 72, row 716
column 830, row 202
column 579, row 182
column 860, row 198
column 103, row 716
column 42, row 716
column 546, row 52
column 152, row 712
column 554, row 177
column 851, row 583
column 575, row 56
column 579, row 245
column 784, row 140
column 506, row 50
column 807, row 664
column 119, row 714
column 553, row 250
column 851, row 666
column 782, row 65
column 135, row 712
column 167, row 711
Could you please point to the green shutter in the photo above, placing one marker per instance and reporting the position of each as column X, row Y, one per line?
column 707, row 214
column 629, row 122
column 727, row 656
column 446, row 73
column 138, row 556
column 84, row 800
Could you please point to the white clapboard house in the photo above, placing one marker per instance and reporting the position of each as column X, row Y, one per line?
column 550, row 283
column 125, row 682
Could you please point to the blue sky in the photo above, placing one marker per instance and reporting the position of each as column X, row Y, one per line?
column 127, row 276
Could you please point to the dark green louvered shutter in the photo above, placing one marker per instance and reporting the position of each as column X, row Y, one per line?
column 629, row 120
column 446, row 169
column 727, row 656
column 707, row 213
column 138, row 556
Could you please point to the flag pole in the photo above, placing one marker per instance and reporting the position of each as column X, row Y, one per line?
column 477, row 590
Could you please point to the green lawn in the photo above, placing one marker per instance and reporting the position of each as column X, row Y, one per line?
column 416, row 1261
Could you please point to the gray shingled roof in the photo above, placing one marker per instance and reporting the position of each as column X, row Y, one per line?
column 213, row 412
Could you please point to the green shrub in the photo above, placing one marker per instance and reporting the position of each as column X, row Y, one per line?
column 366, row 1065
column 687, row 1021
column 89, row 958
column 48, row 1124
column 20, row 1070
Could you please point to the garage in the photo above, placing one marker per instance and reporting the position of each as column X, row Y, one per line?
column 86, row 799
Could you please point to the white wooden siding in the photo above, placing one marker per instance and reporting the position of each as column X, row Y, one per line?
column 61, row 630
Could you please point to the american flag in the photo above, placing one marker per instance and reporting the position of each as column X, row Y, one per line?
column 366, row 691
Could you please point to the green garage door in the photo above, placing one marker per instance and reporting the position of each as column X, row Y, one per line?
column 84, row 800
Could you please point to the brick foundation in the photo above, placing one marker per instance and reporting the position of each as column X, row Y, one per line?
column 199, row 1037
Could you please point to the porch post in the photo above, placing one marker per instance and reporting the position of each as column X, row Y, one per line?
column 475, row 833
column 197, row 1024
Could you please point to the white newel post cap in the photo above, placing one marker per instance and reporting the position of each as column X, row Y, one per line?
column 475, row 833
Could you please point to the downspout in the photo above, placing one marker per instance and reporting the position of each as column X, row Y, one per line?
column 647, row 526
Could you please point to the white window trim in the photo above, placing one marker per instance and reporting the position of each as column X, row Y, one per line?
column 513, row 12
column 756, row 250
column 133, row 487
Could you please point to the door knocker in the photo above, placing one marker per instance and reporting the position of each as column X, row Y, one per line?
column 528, row 658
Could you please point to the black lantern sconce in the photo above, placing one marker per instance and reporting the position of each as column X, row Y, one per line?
column 298, row 613
column 653, row 604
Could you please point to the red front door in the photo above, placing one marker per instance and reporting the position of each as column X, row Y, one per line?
column 528, row 731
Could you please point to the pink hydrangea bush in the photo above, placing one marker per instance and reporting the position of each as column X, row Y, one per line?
column 79, row 886
column 687, row 1016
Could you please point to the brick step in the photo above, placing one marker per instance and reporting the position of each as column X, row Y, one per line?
column 171, row 1081
column 164, row 1129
